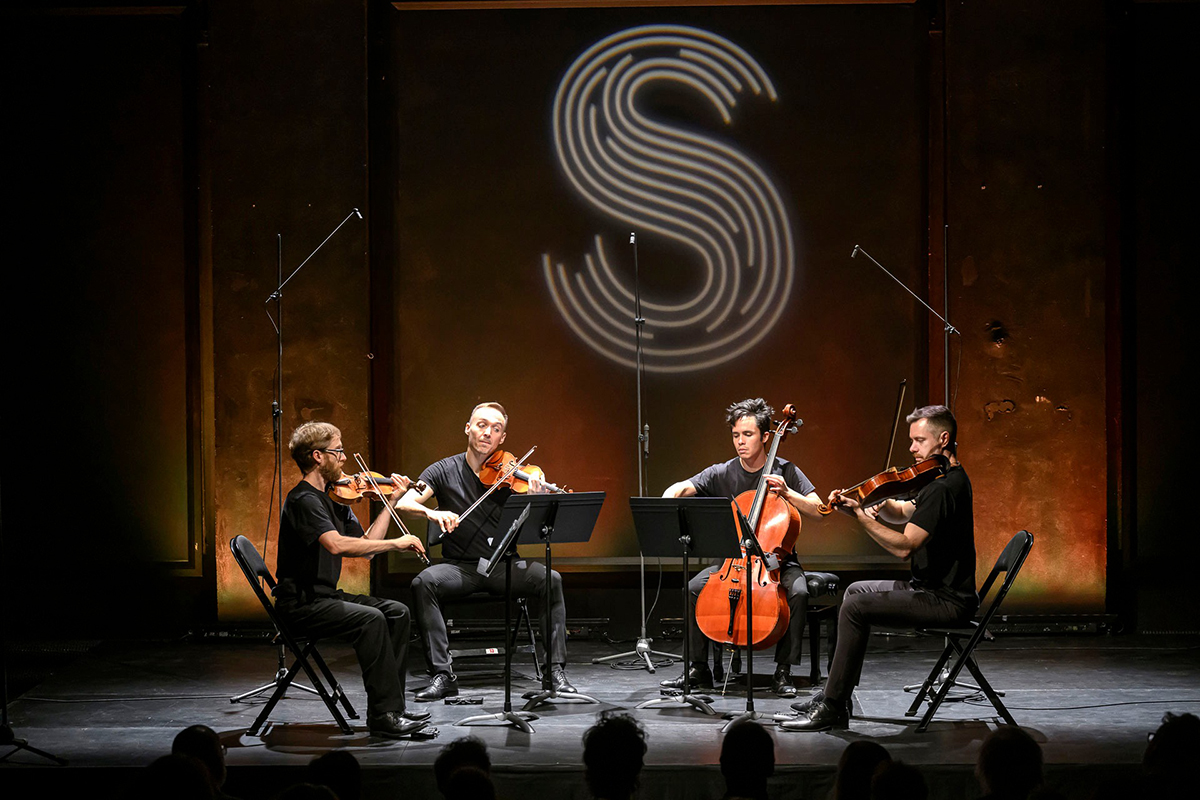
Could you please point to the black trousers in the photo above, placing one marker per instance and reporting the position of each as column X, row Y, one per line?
column 895, row 604
column 788, row 649
column 377, row 628
column 450, row 580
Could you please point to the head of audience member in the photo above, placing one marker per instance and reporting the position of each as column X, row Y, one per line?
column 895, row 780
column 468, row 751
column 339, row 770
column 855, row 768
column 470, row 783
column 203, row 744
column 306, row 791
column 747, row 760
column 1009, row 765
column 176, row 776
column 613, row 752
column 1172, row 755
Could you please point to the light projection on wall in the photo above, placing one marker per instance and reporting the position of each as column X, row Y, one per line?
column 703, row 195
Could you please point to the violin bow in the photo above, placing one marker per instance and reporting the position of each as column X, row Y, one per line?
column 362, row 464
column 895, row 425
column 513, row 467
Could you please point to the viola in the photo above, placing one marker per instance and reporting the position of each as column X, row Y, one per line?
column 891, row 484
column 721, row 607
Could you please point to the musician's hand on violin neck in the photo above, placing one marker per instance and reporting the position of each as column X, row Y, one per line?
column 401, row 482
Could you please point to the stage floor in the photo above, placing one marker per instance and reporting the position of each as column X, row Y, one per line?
column 1089, row 699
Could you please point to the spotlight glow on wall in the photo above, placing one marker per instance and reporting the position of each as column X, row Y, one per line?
column 664, row 181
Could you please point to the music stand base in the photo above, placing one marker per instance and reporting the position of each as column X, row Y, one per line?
column 643, row 652
column 271, row 687
column 8, row 739
column 700, row 702
column 518, row 719
column 544, row 696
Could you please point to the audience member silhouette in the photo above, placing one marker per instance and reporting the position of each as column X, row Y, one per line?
column 855, row 768
column 306, row 791
column 177, row 777
column 1171, row 757
column 895, row 780
column 465, row 752
column 339, row 770
column 203, row 744
column 613, row 752
column 1009, row 766
column 747, row 761
column 470, row 783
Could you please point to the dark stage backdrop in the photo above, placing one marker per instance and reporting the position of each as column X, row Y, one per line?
column 750, row 148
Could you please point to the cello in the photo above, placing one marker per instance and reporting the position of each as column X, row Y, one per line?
column 721, row 607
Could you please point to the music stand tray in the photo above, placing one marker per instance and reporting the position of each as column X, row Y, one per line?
column 683, row 527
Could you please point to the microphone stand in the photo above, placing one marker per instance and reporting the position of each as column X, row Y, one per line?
column 946, row 331
column 643, row 650
column 277, row 429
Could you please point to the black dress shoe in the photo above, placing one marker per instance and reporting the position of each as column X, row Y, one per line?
column 804, row 705
column 393, row 725
column 555, row 679
column 824, row 715
column 699, row 676
column 416, row 716
column 781, row 682
column 443, row 685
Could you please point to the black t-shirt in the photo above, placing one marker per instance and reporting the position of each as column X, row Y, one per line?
column 946, row 564
column 305, row 567
column 456, row 487
column 730, row 479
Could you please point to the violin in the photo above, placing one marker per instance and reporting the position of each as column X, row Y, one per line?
column 499, row 468
column 721, row 607
column 504, row 469
column 349, row 489
column 891, row 484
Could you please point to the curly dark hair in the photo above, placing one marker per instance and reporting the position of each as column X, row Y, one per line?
column 755, row 407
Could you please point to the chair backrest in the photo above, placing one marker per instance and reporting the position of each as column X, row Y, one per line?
column 1011, row 558
column 255, row 569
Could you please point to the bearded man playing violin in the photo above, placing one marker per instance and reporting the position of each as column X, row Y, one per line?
column 315, row 533
column 455, row 483
column 938, row 538
column 750, row 424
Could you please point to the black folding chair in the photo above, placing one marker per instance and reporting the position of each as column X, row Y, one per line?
column 941, row 679
column 304, row 649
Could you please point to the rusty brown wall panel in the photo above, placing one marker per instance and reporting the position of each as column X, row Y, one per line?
column 289, row 157
column 1026, row 170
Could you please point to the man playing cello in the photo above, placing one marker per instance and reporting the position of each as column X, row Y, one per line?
column 750, row 423
column 455, row 483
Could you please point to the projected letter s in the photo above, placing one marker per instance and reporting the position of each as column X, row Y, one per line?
column 662, row 180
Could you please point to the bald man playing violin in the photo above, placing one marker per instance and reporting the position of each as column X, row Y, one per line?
column 454, row 482
column 315, row 533
column 937, row 536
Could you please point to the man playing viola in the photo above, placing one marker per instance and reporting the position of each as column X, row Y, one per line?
column 314, row 535
column 750, row 423
column 455, row 483
column 938, row 537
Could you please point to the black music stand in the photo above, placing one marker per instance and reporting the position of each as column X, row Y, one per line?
column 671, row 526
column 505, row 550
column 568, row 519
column 751, row 547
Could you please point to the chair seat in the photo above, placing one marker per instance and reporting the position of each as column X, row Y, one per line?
column 821, row 583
